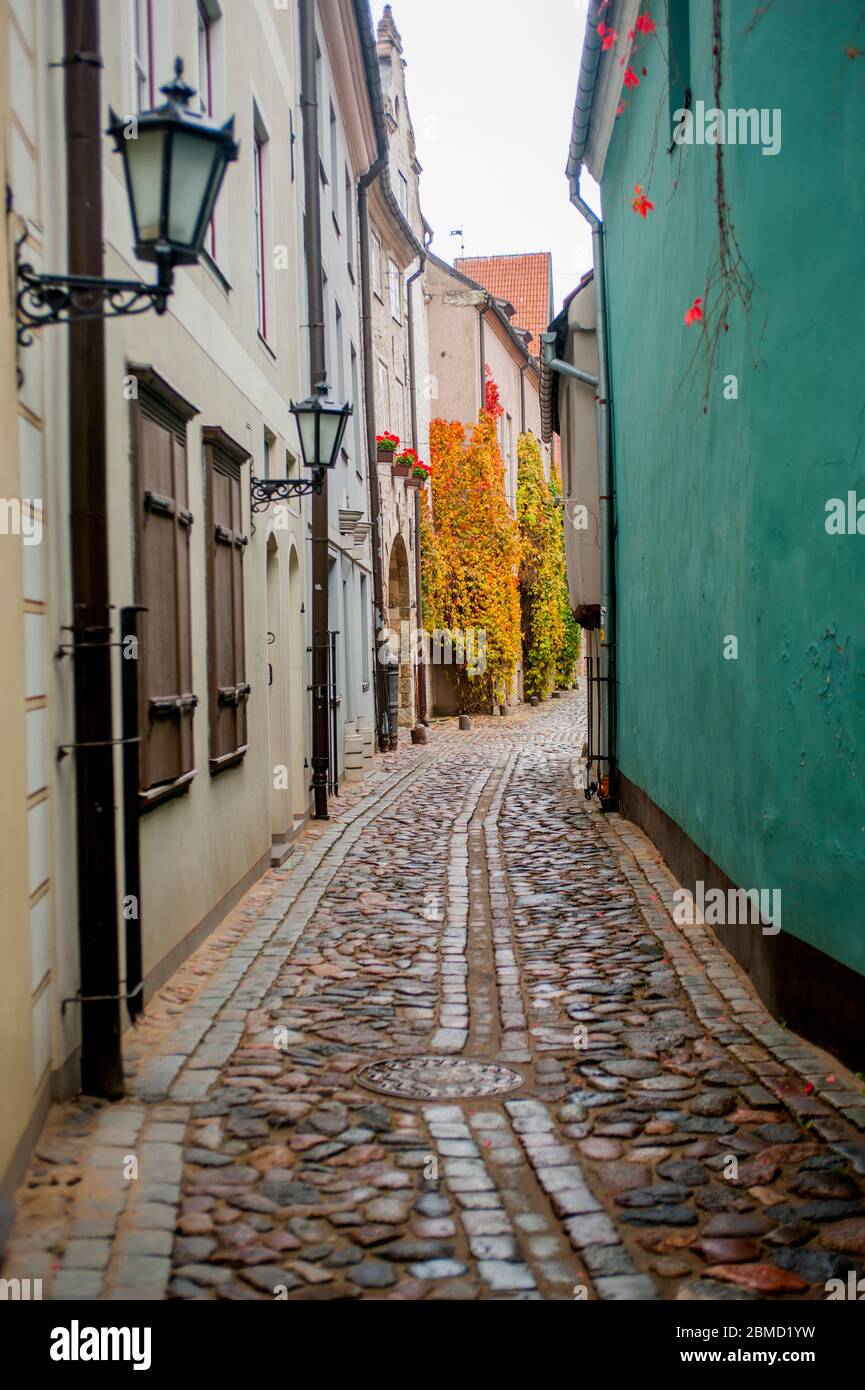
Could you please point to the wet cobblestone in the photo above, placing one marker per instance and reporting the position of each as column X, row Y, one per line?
column 665, row 1139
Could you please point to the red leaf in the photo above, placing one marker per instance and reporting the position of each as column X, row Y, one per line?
column 695, row 313
column 631, row 78
column 640, row 202
column 645, row 24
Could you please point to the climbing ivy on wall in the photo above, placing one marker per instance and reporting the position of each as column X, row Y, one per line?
column 550, row 635
column 470, row 555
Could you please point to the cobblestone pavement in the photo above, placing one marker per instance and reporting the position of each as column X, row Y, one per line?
column 587, row 1101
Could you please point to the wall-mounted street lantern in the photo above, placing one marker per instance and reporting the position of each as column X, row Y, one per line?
column 174, row 160
column 321, row 427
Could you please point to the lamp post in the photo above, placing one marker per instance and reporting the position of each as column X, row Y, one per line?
column 321, row 428
column 174, row 162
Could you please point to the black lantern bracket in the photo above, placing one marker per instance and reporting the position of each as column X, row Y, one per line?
column 48, row 299
column 319, row 450
column 168, row 237
column 263, row 491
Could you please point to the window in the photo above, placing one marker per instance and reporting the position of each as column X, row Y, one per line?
column 205, row 92
column 269, row 441
column 349, row 222
column 375, row 254
column 355, row 395
column 334, row 180
column 142, row 54
column 383, row 398
column 340, row 364
column 395, row 284
column 402, row 194
column 364, row 631
column 228, row 691
column 258, row 174
column 163, row 523
column 401, row 422
column 319, row 87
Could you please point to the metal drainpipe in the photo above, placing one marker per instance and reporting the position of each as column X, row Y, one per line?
column 420, row 670
column 523, row 370
column 101, row 1056
column 317, row 372
column 606, row 497
column 380, row 674
column 482, row 312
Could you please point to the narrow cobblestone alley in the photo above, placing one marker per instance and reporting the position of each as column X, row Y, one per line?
column 457, row 1049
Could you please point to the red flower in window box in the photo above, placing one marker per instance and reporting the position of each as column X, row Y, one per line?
column 422, row 472
column 386, row 445
column 404, row 462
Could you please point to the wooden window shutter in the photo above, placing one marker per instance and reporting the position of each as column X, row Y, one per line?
column 163, row 528
column 229, row 689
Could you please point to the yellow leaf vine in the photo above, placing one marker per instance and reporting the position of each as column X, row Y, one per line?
column 470, row 555
column 551, row 639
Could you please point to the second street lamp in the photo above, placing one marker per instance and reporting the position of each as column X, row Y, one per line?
column 321, row 429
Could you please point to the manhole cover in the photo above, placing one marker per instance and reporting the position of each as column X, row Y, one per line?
column 431, row 1077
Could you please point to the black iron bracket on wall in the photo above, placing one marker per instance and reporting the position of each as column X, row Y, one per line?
column 263, row 491
column 46, row 299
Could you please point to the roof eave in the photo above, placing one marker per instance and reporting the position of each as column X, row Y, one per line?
column 369, row 48
column 599, row 90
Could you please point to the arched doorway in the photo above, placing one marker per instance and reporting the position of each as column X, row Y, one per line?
column 399, row 621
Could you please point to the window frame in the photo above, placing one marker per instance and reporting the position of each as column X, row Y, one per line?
column 259, row 141
column 384, row 395
column 143, row 75
column 225, row 456
column 394, row 277
column 157, row 401
column 207, row 21
column 349, row 221
column 375, row 262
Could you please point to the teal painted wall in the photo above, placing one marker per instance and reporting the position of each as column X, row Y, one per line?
column 721, row 516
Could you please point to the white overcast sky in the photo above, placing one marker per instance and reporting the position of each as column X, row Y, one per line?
column 491, row 88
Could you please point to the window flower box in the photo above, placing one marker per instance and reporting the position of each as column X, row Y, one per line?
column 386, row 447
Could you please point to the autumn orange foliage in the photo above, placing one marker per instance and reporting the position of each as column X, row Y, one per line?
column 470, row 552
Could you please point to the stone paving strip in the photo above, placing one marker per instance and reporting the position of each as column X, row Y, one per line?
column 514, row 1035
column 457, row 1049
column 455, row 1007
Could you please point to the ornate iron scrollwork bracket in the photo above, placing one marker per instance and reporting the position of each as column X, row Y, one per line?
column 263, row 491
column 47, row 299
